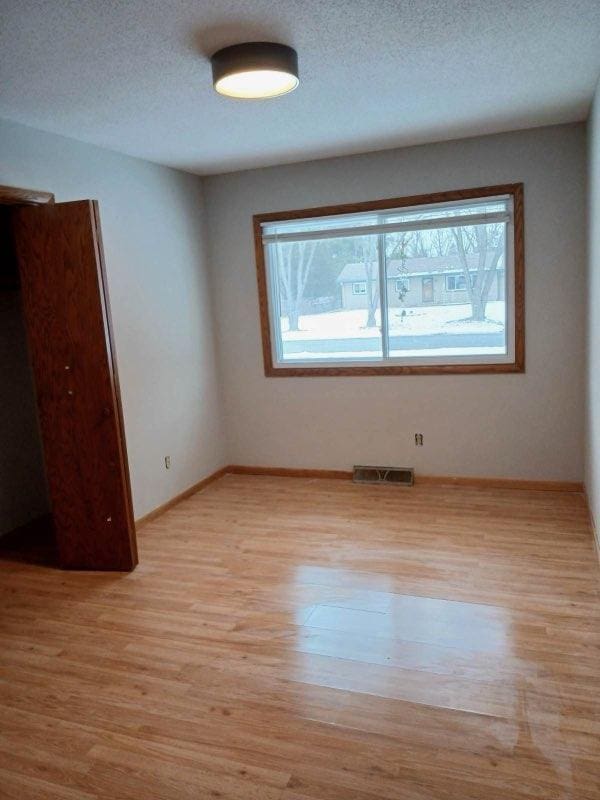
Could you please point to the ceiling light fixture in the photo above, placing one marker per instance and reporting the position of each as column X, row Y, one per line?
column 255, row 70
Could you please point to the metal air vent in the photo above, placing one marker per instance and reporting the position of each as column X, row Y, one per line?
column 400, row 475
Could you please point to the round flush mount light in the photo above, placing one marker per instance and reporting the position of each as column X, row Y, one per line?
column 255, row 70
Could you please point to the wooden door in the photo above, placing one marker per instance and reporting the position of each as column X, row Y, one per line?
column 65, row 305
column 428, row 290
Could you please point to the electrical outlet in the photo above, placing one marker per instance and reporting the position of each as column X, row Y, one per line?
column 419, row 439
column 167, row 462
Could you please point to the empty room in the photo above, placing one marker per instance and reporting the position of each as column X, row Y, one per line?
column 300, row 400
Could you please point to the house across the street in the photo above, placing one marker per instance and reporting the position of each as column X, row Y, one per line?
column 422, row 281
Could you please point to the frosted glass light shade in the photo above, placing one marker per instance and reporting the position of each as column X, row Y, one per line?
column 255, row 70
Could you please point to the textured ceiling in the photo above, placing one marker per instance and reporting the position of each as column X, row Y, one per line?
column 133, row 75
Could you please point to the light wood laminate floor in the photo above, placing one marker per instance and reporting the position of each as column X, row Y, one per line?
column 286, row 639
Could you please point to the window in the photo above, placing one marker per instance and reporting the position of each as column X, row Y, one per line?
column 456, row 283
column 335, row 282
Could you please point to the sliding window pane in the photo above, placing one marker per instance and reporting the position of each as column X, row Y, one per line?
column 446, row 291
column 327, row 292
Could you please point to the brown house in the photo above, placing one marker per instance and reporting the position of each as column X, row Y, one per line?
column 423, row 281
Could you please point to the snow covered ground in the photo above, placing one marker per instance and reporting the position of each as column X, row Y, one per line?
column 417, row 321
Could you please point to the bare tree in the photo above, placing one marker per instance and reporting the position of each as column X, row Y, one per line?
column 295, row 260
column 366, row 252
column 479, row 241
column 420, row 247
column 399, row 244
column 439, row 242
column 397, row 248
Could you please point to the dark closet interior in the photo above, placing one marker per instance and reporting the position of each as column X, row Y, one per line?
column 25, row 521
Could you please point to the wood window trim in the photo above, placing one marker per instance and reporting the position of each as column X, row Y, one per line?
column 517, row 365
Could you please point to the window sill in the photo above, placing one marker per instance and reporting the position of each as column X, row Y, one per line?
column 370, row 371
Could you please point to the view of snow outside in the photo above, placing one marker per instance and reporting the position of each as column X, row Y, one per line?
column 341, row 334
column 445, row 294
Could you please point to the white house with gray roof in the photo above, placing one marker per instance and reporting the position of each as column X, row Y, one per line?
column 422, row 281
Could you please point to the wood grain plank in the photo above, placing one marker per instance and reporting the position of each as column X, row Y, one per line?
column 292, row 638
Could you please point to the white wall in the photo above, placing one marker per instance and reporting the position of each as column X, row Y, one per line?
column 153, row 225
column 592, row 476
column 521, row 426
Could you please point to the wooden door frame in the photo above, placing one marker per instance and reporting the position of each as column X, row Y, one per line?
column 17, row 196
